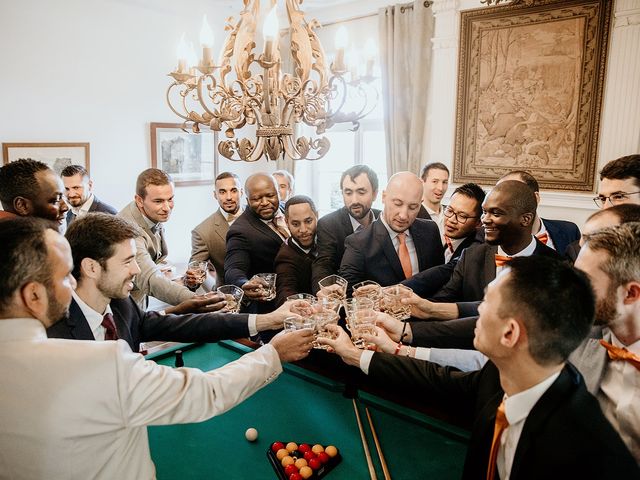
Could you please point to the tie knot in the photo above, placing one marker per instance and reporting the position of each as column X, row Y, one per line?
column 501, row 417
column 543, row 237
column 502, row 260
column 621, row 353
column 110, row 327
column 402, row 237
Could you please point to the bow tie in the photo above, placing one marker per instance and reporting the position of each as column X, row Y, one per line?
column 502, row 260
column 543, row 237
column 621, row 353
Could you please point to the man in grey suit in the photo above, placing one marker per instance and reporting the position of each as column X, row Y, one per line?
column 151, row 208
column 78, row 190
column 209, row 238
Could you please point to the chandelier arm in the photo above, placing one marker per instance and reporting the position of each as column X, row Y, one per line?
column 168, row 97
column 201, row 96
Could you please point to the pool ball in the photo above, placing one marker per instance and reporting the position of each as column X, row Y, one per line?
column 315, row 464
column 289, row 469
column 301, row 462
column 331, row 451
column 305, row 447
column 287, row 461
column 317, row 449
column 323, row 457
column 280, row 454
column 295, row 476
column 277, row 446
column 291, row 446
column 251, row 434
column 309, row 455
column 305, row 472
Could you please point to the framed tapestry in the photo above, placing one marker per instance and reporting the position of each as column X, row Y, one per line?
column 56, row 155
column 530, row 83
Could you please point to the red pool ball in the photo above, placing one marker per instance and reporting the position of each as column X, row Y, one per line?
column 290, row 469
column 304, row 448
column 295, row 476
column 323, row 457
column 277, row 446
column 309, row 455
column 315, row 464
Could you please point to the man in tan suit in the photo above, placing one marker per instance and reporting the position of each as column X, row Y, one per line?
column 149, row 211
column 209, row 239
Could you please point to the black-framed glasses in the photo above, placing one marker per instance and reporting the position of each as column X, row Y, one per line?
column 615, row 198
column 460, row 217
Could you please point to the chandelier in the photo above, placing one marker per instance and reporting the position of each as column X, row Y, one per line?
column 247, row 88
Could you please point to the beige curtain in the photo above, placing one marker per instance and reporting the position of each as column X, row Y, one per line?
column 405, row 56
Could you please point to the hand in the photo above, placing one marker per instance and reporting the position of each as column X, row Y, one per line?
column 381, row 340
column 393, row 328
column 332, row 291
column 210, row 302
column 293, row 346
column 274, row 320
column 255, row 289
column 420, row 307
column 342, row 345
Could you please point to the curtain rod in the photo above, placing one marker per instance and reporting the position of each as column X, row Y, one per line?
column 403, row 8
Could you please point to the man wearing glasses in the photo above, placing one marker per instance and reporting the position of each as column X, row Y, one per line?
column 619, row 182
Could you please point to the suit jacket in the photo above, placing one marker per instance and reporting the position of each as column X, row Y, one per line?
column 135, row 326
column 456, row 333
column 80, row 409
column 557, row 440
column 149, row 253
column 209, row 243
column 333, row 230
column 293, row 267
column 429, row 281
column 422, row 213
column 251, row 248
column 370, row 255
column 473, row 272
column 572, row 251
column 96, row 206
column 562, row 233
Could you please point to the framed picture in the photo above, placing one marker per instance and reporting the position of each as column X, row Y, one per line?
column 56, row 155
column 190, row 158
column 530, row 82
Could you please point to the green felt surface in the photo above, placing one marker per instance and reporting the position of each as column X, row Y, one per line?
column 301, row 408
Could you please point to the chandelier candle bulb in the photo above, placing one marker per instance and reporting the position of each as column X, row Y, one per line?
column 371, row 52
column 270, row 31
column 341, row 42
column 182, row 53
column 206, row 41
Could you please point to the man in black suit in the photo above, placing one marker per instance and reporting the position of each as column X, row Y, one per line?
column 78, row 188
column 397, row 245
column 294, row 259
column 103, row 249
column 435, row 180
column 462, row 221
column 359, row 186
column 508, row 213
column 531, row 413
column 557, row 234
column 254, row 239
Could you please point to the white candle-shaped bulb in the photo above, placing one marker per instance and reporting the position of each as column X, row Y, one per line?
column 206, row 41
column 341, row 42
column 192, row 58
column 270, row 32
column 182, row 51
column 352, row 63
column 371, row 52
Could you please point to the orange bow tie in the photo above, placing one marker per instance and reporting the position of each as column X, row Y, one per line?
column 502, row 260
column 543, row 237
column 621, row 353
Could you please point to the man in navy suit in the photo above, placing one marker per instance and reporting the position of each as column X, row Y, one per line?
column 397, row 245
column 78, row 188
column 104, row 266
column 531, row 413
column 254, row 239
column 435, row 179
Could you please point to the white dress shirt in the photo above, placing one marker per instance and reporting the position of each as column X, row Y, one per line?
column 526, row 252
column 408, row 240
column 438, row 218
column 455, row 243
column 83, row 209
column 542, row 230
column 226, row 215
column 355, row 224
column 94, row 319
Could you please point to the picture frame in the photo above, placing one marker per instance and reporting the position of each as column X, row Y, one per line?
column 530, row 87
column 190, row 158
column 56, row 155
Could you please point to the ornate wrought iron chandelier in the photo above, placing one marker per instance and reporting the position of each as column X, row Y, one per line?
column 246, row 88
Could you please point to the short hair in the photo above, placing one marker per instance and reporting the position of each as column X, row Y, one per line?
column 623, row 168
column 472, row 190
column 526, row 178
column 72, row 170
column 554, row 301
column 625, row 212
column 151, row 176
column 23, row 256
column 95, row 236
column 287, row 175
column 297, row 200
column 621, row 243
column 424, row 173
column 524, row 200
column 358, row 170
column 224, row 175
column 18, row 179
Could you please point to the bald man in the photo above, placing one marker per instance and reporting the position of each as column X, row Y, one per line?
column 398, row 244
column 254, row 240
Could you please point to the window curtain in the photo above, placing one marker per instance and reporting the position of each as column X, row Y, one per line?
column 405, row 56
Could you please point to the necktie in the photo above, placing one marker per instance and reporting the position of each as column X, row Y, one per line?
column 502, row 260
column 278, row 226
column 110, row 327
column 230, row 218
column 158, row 231
column 621, row 353
column 403, row 255
column 447, row 240
column 501, row 424
column 543, row 237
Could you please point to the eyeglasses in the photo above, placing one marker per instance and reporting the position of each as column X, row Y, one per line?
column 615, row 198
column 460, row 217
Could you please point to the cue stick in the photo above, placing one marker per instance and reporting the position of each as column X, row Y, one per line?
column 385, row 470
column 365, row 446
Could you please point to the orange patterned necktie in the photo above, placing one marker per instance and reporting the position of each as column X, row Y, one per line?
column 502, row 260
column 543, row 237
column 501, row 424
column 403, row 255
column 621, row 353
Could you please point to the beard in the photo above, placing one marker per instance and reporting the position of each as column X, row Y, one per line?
column 56, row 310
column 606, row 311
column 111, row 289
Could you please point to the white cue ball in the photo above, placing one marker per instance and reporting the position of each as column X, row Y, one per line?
column 251, row 434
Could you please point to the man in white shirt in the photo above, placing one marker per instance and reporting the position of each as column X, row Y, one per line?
column 77, row 409
column 435, row 180
column 531, row 413
column 78, row 188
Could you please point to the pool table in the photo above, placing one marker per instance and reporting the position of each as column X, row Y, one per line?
column 301, row 406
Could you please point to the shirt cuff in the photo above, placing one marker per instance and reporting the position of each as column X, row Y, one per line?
column 365, row 360
column 162, row 312
column 423, row 353
column 253, row 330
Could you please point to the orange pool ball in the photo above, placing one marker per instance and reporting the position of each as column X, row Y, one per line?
column 280, row 454
column 317, row 449
column 287, row 461
column 292, row 446
column 305, row 472
column 301, row 462
column 331, row 451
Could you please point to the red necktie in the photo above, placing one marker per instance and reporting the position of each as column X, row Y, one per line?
column 447, row 240
column 543, row 237
column 621, row 353
column 501, row 424
column 403, row 255
column 502, row 260
column 110, row 327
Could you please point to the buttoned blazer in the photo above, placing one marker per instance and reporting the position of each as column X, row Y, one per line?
column 209, row 243
column 293, row 267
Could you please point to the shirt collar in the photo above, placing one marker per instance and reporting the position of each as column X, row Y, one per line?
column 526, row 252
column 279, row 215
column 84, row 207
column 150, row 223
column 633, row 348
column 433, row 212
column 392, row 233
column 518, row 406
column 542, row 230
column 21, row 329
column 355, row 223
column 94, row 319
column 305, row 250
column 235, row 215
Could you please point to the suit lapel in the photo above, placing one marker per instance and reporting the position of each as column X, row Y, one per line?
column 420, row 244
column 77, row 322
column 221, row 225
column 383, row 238
column 119, row 317
column 261, row 227
column 490, row 264
column 466, row 243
